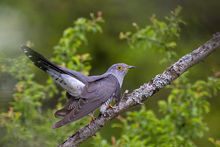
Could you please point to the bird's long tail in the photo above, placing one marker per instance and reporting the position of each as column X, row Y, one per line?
column 40, row 61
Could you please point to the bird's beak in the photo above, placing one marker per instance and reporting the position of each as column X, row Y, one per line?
column 129, row 67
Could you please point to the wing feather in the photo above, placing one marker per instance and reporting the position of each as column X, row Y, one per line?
column 70, row 105
column 102, row 90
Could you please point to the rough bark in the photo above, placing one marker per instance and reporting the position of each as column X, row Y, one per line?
column 146, row 90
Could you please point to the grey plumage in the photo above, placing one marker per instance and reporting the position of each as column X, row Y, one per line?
column 84, row 93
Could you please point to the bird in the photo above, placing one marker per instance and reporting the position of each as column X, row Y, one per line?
column 84, row 93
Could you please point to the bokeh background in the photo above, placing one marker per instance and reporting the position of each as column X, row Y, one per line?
column 42, row 23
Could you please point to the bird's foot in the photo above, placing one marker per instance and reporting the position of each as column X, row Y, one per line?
column 91, row 119
column 110, row 106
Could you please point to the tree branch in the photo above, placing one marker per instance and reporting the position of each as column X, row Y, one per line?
column 146, row 90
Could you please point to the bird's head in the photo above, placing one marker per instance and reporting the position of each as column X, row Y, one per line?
column 119, row 70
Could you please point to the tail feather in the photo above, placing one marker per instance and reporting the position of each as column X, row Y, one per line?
column 73, row 115
column 49, row 67
column 70, row 105
column 40, row 61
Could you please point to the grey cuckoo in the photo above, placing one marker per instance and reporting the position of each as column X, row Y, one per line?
column 84, row 93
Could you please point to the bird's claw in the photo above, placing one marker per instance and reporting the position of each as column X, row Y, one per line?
column 91, row 119
column 110, row 106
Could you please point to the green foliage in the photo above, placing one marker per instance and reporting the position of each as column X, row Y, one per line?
column 216, row 143
column 73, row 38
column 159, row 36
column 26, row 123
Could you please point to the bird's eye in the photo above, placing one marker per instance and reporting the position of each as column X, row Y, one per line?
column 119, row 67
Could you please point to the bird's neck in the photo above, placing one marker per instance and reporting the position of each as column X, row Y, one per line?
column 119, row 78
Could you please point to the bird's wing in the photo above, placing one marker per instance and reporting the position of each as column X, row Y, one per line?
column 71, row 104
column 92, row 98
column 70, row 80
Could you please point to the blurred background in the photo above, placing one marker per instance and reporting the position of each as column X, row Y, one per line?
column 42, row 23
